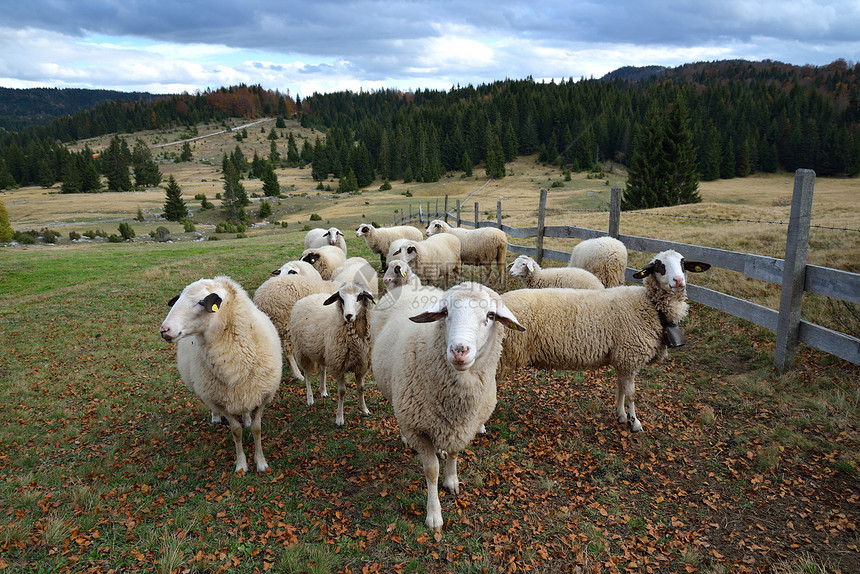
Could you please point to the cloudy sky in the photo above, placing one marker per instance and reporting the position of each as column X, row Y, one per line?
column 312, row 46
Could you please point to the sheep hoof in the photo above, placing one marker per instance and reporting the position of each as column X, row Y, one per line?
column 339, row 424
column 635, row 425
column 365, row 413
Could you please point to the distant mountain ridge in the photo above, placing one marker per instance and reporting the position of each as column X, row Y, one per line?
column 30, row 107
column 634, row 73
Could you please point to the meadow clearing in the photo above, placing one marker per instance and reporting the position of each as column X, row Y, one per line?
column 108, row 463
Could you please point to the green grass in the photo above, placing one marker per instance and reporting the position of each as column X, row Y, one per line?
column 108, row 462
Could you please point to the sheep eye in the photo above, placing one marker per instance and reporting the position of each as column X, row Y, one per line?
column 491, row 316
column 292, row 272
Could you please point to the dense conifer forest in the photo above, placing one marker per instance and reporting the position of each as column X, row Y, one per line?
column 742, row 117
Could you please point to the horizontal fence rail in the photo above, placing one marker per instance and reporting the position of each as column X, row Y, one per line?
column 834, row 283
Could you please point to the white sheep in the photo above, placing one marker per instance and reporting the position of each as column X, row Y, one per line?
column 335, row 336
column 276, row 297
column 393, row 247
column 357, row 269
column 398, row 274
column 605, row 257
column 404, row 295
column 228, row 353
column 437, row 369
column 298, row 268
column 435, row 257
column 319, row 237
column 481, row 246
column 533, row 276
column 325, row 259
column 379, row 238
column 625, row 327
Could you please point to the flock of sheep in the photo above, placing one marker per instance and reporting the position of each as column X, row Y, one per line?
column 435, row 353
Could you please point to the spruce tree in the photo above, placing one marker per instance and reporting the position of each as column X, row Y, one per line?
column 234, row 198
column 663, row 168
column 185, row 155
column 116, row 166
column 174, row 206
column 271, row 187
column 146, row 172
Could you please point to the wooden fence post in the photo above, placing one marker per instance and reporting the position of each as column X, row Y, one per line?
column 410, row 213
column 446, row 208
column 499, row 213
column 476, row 215
column 540, row 225
column 428, row 212
column 458, row 213
column 614, row 212
column 794, row 270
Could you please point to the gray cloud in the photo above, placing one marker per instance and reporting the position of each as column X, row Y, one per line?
column 396, row 42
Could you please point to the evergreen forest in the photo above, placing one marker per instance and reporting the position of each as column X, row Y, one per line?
column 740, row 117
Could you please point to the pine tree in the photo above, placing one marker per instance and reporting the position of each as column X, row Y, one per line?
column 70, row 176
column 174, row 206
column 116, row 167
column 271, row 187
column 146, row 172
column 681, row 170
column 234, row 198
column 186, row 152
column 292, row 151
column 663, row 168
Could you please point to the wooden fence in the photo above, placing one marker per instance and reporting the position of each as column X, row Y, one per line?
column 792, row 273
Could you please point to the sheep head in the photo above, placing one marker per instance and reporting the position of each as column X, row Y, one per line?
column 363, row 229
column 523, row 266
column 436, row 226
column 397, row 272
column 353, row 297
column 192, row 311
column 471, row 312
column 667, row 269
column 332, row 234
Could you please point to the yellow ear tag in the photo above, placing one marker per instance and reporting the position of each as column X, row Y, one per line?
column 403, row 272
column 214, row 308
column 698, row 268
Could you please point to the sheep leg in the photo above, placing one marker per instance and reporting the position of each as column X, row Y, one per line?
column 309, row 392
column 452, row 481
column 362, row 405
column 431, row 475
column 294, row 368
column 341, row 393
column 236, row 431
column 626, row 390
column 323, row 388
column 256, row 431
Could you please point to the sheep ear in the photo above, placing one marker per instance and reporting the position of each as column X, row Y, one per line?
column 696, row 266
column 211, row 302
column 173, row 301
column 276, row 272
column 339, row 232
column 506, row 318
column 410, row 249
column 310, row 258
column 367, row 297
column 435, row 312
column 334, row 297
column 644, row 272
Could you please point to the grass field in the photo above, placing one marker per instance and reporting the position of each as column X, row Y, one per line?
column 108, row 463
